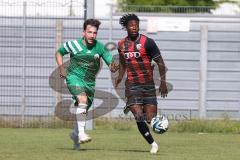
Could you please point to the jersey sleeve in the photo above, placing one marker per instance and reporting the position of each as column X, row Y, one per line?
column 64, row 49
column 106, row 55
column 152, row 48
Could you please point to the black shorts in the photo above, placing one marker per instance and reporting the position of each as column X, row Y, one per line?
column 140, row 94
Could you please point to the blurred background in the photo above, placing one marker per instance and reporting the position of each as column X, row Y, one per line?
column 199, row 41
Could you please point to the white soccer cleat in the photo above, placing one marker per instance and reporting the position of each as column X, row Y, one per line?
column 154, row 149
column 74, row 138
column 84, row 138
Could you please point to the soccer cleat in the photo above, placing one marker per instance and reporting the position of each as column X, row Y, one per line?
column 74, row 137
column 84, row 138
column 154, row 149
column 126, row 110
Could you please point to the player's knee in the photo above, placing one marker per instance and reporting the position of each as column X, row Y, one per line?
column 149, row 117
column 82, row 99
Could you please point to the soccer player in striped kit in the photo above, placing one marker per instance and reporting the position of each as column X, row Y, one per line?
column 85, row 54
column 136, row 52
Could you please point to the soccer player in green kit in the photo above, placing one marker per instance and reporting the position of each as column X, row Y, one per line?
column 85, row 54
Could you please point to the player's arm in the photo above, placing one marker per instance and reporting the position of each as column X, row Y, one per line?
column 59, row 60
column 162, row 72
column 155, row 53
column 113, row 67
column 108, row 59
column 64, row 49
column 122, row 70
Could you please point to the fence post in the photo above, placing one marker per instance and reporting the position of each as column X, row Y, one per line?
column 89, row 6
column 23, row 105
column 59, row 32
column 111, row 22
column 203, row 71
column 110, row 78
column 89, row 9
column 238, row 110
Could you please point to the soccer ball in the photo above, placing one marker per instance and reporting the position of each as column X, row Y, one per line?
column 159, row 124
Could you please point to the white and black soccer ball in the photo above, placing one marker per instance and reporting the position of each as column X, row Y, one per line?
column 159, row 124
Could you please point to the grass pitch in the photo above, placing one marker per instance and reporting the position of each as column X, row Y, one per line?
column 114, row 144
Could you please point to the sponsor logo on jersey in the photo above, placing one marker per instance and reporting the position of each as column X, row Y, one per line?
column 129, row 55
column 139, row 46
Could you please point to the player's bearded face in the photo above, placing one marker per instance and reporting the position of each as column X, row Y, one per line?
column 90, row 34
column 133, row 29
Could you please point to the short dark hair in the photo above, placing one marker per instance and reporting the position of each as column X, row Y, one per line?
column 93, row 22
column 126, row 18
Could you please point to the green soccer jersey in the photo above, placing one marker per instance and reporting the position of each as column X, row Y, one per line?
column 85, row 62
column 84, row 65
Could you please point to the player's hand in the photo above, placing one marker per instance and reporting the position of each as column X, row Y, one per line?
column 163, row 89
column 117, row 81
column 62, row 72
column 113, row 67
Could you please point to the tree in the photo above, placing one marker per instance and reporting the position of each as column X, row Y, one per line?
column 183, row 6
column 169, row 2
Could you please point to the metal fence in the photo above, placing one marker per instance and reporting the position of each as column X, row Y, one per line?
column 42, row 8
column 203, row 65
column 167, row 9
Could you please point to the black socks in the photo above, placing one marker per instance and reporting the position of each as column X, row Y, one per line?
column 144, row 130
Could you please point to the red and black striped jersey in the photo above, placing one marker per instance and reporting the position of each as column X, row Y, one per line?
column 137, row 56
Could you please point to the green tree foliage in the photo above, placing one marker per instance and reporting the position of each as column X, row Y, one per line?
column 169, row 2
column 167, row 6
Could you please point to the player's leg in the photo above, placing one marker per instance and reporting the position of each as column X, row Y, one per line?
column 81, row 111
column 75, row 129
column 149, row 103
column 150, row 108
column 74, row 136
column 135, row 103
column 141, row 122
column 76, row 87
column 150, row 111
column 73, row 89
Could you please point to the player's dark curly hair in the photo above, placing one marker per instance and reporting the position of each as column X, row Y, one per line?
column 93, row 22
column 126, row 18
